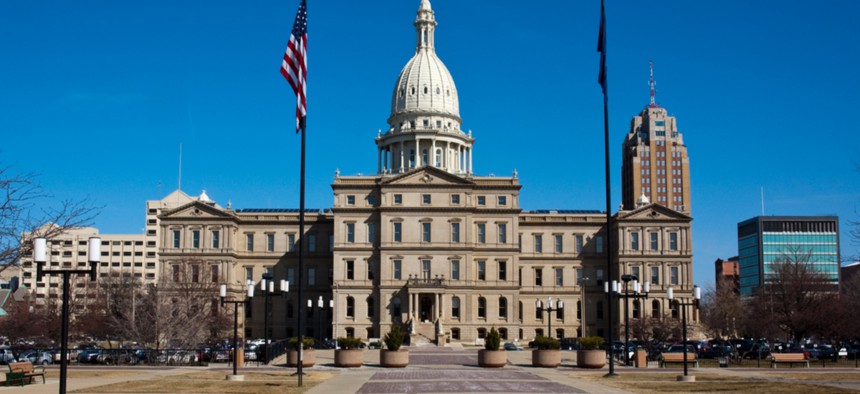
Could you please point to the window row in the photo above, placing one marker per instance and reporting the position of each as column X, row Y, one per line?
column 653, row 240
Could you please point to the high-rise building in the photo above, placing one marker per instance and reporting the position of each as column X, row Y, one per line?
column 765, row 241
column 654, row 159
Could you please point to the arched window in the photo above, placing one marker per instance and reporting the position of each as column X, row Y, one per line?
column 503, row 333
column 370, row 307
column 675, row 311
column 655, row 309
column 424, row 157
column 350, row 332
column 438, row 157
column 402, row 92
column 482, row 332
column 395, row 307
column 637, row 309
column 412, row 158
column 503, row 307
column 412, row 90
column 482, row 307
column 438, row 91
column 559, row 333
column 350, row 307
column 426, row 90
column 455, row 307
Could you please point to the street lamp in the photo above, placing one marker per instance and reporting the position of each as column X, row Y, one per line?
column 549, row 309
column 322, row 307
column 697, row 296
column 40, row 246
column 267, row 286
column 224, row 300
column 638, row 292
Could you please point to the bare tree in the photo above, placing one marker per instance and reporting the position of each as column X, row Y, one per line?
column 20, row 215
column 720, row 308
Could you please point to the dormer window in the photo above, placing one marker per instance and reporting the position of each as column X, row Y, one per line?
column 438, row 91
column 412, row 91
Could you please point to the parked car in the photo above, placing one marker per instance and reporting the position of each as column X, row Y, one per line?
column 678, row 348
column 757, row 350
column 511, row 346
column 116, row 356
column 88, row 356
column 569, row 344
column 37, row 357
column 6, row 356
column 717, row 351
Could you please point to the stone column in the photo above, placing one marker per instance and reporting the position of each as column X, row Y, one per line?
column 432, row 155
column 379, row 159
column 401, row 156
column 470, row 160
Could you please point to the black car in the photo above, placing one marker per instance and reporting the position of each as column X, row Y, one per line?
column 569, row 344
column 757, row 350
column 717, row 351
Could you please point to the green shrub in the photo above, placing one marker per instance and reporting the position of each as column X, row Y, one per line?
column 590, row 343
column 394, row 338
column 547, row 343
column 349, row 343
column 492, row 340
column 307, row 342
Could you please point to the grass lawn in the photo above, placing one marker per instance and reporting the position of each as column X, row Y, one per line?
column 214, row 382
column 777, row 382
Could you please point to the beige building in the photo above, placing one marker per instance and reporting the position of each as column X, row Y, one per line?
column 424, row 243
column 654, row 160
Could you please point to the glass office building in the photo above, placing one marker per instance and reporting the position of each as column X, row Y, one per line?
column 765, row 241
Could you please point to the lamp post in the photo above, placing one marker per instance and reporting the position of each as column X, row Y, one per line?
column 322, row 307
column 267, row 286
column 582, row 324
column 637, row 293
column 40, row 246
column 697, row 296
column 549, row 309
column 224, row 300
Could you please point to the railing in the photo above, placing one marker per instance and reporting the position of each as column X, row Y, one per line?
column 274, row 350
column 425, row 282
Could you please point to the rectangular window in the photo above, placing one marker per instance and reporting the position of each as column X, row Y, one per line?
column 455, row 199
column 455, row 232
column 176, row 238
column 598, row 273
column 482, row 200
column 538, row 276
column 331, row 242
column 195, row 239
column 503, row 270
column 579, row 277
column 398, row 269
column 634, row 240
column 635, row 271
column 350, row 270
column 503, row 233
column 398, row 232
column 312, row 276
column 673, row 272
column 270, row 242
column 559, row 277
column 503, row 200
column 371, row 233
column 425, row 269
column 291, row 242
column 216, row 239
column 249, row 242
column 350, row 200
column 482, row 233
column 579, row 243
column 369, row 267
column 312, row 243
column 398, row 199
column 249, row 273
column 482, row 270
column 214, row 271
column 195, row 273
column 655, row 275
column 175, row 273
column 653, row 242
column 673, row 241
column 425, row 232
column 425, row 199
column 455, row 269
column 350, row 233
column 559, row 247
column 538, row 243
column 598, row 244
column 291, row 275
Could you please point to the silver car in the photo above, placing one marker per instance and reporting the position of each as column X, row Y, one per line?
column 37, row 358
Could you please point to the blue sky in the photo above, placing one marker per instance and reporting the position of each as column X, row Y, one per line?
column 98, row 95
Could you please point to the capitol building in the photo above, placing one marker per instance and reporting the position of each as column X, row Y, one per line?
column 425, row 243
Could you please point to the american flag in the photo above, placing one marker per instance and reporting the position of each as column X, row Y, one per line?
column 295, row 64
column 601, row 47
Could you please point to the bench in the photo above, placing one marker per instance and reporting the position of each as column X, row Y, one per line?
column 679, row 358
column 788, row 358
column 23, row 370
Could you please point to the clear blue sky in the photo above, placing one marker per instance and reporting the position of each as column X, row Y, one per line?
column 97, row 96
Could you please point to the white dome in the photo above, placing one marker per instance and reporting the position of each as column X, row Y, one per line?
column 425, row 85
column 643, row 200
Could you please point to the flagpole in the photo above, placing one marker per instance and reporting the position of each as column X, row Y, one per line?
column 605, row 85
column 301, row 252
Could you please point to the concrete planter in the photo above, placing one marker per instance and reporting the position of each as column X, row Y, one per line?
column 590, row 358
column 492, row 358
column 546, row 358
column 394, row 358
column 349, row 358
column 309, row 358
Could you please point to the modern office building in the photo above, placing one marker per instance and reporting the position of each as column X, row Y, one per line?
column 765, row 241
column 654, row 159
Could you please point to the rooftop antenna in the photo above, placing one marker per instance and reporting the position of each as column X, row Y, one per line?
column 762, row 201
column 652, row 84
column 180, row 167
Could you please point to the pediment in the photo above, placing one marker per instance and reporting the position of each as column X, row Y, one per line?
column 427, row 176
column 197, row 210
column 653, row 212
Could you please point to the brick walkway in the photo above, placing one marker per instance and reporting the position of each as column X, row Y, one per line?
column 462, row 381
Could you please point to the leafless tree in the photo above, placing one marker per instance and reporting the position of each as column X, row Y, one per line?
column 21, row 214
column 720, row 308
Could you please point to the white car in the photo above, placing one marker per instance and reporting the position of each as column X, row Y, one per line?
column 843, row 352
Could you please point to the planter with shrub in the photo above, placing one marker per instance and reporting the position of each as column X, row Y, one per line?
column 491, row 356
column 590, row 356
column 309, row 356
column 548, row 352
column 393, row 356
column 350, row 354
